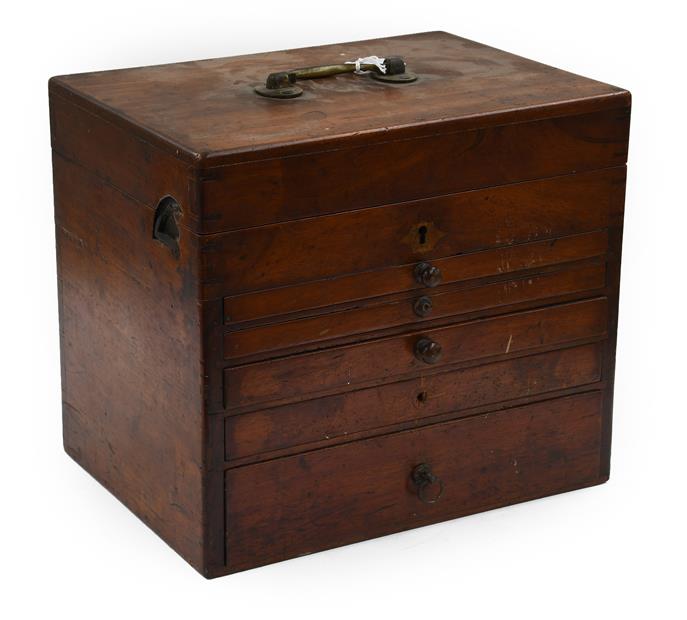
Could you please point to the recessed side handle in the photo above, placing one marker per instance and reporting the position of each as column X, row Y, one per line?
column 282, row 84
column 165, row 226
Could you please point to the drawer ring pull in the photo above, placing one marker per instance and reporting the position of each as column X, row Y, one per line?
column 425, row 480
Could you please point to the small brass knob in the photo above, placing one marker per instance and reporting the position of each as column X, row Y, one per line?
column 428, row 351
column 422, row 306
column 427, row 275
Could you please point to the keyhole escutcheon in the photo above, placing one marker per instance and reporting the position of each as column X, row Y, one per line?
column 422, row 234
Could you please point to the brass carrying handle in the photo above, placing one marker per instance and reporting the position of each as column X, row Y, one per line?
column 282, row 84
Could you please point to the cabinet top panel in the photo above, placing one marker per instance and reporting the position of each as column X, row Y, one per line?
column 207, row 111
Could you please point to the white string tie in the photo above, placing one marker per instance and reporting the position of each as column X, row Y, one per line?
column 368, row 60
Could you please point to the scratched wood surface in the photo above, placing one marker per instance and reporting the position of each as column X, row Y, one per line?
column 208, row 108
column 130, row 352
column 342, row 292
column 343, row 368
column 345, row 178
column 355, row 242
column 227, row 392
column 531, row 290
column 335, row 418
column 348, row 493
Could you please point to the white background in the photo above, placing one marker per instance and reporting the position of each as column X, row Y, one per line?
column 69, row 549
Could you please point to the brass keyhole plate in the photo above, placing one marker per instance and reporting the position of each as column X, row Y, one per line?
column 423, row 237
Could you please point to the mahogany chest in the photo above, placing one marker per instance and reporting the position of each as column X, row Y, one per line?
column 324, row 310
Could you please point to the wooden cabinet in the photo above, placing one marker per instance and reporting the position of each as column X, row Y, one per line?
column 288, row 325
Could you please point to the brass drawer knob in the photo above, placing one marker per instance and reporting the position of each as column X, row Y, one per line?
column 422, row 306
column 427, row 351
column 429, row 487
column 427, row 275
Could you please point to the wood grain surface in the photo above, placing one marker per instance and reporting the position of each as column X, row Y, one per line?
column 296, row 505
column 335, row 418
column 349, row 290
column 208, row 108
column 272, row 190
column 343, row 368
column 130, row 341
column 255, row 394
column 445, row 303
column 325, row 247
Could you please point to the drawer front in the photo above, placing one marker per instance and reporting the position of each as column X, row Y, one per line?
column 430, row 305
column 333, row 418
column 344, row 291
column 280, row 189
column 301, row 251
column 344, row 368
column 304, row 503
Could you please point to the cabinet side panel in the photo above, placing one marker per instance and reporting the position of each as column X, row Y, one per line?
column 615, row 243
column 131, row 354
column 119, row 157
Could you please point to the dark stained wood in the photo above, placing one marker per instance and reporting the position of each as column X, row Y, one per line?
column 343, row 368
column 333, row 418
column 208, row 107
column 260, row 394
column 130, row 349
column 275, row 336
column 322, row 295
column 327, row 498
column 278, row 190
column 443, row 123
column 613, row 285
column 318, row 248
column 139, row 170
